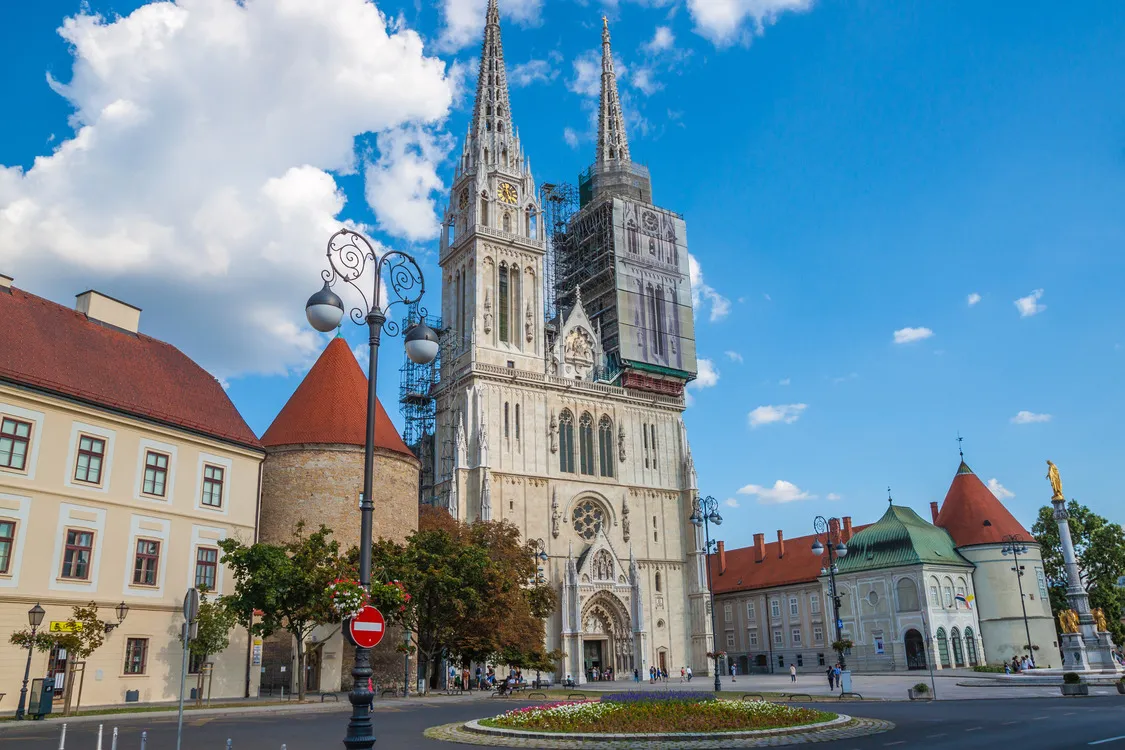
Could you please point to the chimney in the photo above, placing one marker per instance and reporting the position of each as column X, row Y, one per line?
column 934, row 511
column 847, row 529
column 759, row 547
column 722, row 558
column 780, row 544
column 105, row 309
column 6, row 282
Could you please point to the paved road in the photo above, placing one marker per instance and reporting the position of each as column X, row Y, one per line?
column 1036, row 724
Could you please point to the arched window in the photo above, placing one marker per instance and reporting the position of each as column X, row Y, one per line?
column 505, row 419
column 586, row 443
column 947, row 593
column 517, row 421
column 906, row 592
column 943, row 648
column 971, row 646
column 657, row 582
column 587, row 519
column 566, row 442
column 605, row 445
column 514, row 286
column 661, row 326
column 484, row 201
column 503, row 303
column 958, row 648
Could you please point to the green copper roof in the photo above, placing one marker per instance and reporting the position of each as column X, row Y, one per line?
column 900, row 537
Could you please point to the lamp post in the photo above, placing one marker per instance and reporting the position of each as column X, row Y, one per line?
column 1014, row 546
column 820, row 525
column 349, row 254
column 704, row 512
column 34, row 619
column 539, row 556
column 122, row 611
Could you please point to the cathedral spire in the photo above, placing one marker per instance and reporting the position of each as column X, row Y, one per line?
column 492, row 114
column 613, row 143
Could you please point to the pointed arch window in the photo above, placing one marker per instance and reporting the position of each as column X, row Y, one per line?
column 661, row 323
column 504, row 302
column 971, row 646
column 507, row 218
column 605, row 445
column 958, row 653
column 514, row 293
column 943, row 648
column 484, row 201
column 517, row 421
column 586, row 443
column 505, row 419
column 566, row 442
column 657, row 581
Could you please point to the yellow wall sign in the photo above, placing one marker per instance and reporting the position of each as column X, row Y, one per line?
column 65, row 627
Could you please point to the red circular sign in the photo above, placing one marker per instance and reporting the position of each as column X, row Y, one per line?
column 367, row 628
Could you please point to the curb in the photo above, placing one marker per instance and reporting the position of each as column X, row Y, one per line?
column 520, row 734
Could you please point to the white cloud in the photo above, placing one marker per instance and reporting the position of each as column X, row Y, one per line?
column 908, row 335
column 999, row 490
column 643, row 80
column 1028, row 417
column 587, row 80
column 402, row 182
column 663, row 40
column 785, row 413
column 706, row 375
column 464, row 20
column 728, row 21
column 731, row 502
column 532, row 71
column 201, row 168
column 973, row 299
column 781, row 492
column 1029, row 305
column 733, row 356
column 701, row 293
column 570, row 137
column 833, row 496
column 784, row 381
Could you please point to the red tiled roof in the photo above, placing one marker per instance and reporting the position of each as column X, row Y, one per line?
column 744, row 573
column 330, row 407
column 972, row 514
column 55, row 349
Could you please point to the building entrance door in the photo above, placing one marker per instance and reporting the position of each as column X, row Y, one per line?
column 662, row 657
column 592, row 658
column 915, row 650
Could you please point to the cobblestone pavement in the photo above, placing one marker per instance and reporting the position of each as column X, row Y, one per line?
column 856, row 727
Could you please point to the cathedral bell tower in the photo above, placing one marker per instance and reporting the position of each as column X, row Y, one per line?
column 492, row 246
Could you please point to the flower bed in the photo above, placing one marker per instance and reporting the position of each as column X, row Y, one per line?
column 656, row 716
column 671, row 695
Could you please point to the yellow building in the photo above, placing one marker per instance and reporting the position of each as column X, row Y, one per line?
column 122, row 464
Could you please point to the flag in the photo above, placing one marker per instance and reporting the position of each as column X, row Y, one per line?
column 966, row 600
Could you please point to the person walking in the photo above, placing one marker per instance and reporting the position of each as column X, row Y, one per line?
column 732, row 672
column 636, row 675
column 683, row 674
column 836, row 672
column 792, row 672
column 831, row 672
column 689, row 674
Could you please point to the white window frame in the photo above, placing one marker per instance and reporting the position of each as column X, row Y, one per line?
column 752, row 637
column 818, row 633
column 169, row 450
column 1041, row 579
column 814, row 604
column 206, row 536
column 794, row 607
column 795, row 636
column 730, row 639
column 15, row 508
column 751, row 616
column 82, row 518
column 778, row 637
column 226, row 464
column 158, row 530
column 77, row 430
column 775, row 609
column 36, row 419
column 728, row 612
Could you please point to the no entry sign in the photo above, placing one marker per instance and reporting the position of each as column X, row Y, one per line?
column 366, row 629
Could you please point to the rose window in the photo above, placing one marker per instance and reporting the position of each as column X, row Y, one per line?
column 588, row 518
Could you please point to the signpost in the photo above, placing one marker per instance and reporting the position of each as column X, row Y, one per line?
column 190, row 630
column 367, row 628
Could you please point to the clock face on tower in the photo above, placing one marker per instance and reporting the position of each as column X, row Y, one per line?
column 507, row 193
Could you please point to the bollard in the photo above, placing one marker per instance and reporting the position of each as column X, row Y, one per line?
column 99, row 747
column 62, row 738
column 144, row 740
column 113, row 742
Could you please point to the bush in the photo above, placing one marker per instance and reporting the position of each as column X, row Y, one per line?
column 988, row 668
column 921, row 688
column 1072, row 678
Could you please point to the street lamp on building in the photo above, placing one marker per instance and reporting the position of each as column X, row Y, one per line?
column 122, row 611
column 704, row 512
column 349, row 255
column 835, row 551
column 34, row 619
column 1014, row 546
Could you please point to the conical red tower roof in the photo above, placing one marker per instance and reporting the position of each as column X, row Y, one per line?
column 330, row 407
column 973, row 515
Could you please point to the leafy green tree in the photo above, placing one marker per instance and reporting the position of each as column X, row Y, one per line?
column 288, row 583
column 216, row 620
column 86, row 634
column 1099, row 546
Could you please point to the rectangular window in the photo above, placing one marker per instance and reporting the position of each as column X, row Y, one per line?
column 156, row 473
column 213, row 485
column 800, row 660
column 206, row 566
column 753, row 637
column 15, row 436
column 775, row 608
column 818, row 633
column 7, row 542
column 960, row 593
column 820, row 660
column 730, row 640
column 1042, row 581
column 796, row 634
column 778, row 638
column 794, row 608
column 91, row 453
column 948, row 592
column 136, row 655
column 196, row 662
column 934, row 600
column 147, row 562
column 517, row 421
column 76, row 557
column 814, row 604
column 728, row 613
column 780, row 660
column 750, row 611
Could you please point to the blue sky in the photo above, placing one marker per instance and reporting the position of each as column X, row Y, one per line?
column 847, row 171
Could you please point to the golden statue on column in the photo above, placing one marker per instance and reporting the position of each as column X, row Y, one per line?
column 1055, row 480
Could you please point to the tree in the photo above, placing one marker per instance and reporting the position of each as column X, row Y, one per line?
column 216, row 620
column 85, row 634
column 288, row 583
column 1100, row 548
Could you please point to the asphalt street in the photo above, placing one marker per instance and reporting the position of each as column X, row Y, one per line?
column 1028, row 724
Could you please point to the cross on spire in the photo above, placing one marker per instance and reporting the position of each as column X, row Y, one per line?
column 613, row 142
column 959, row 448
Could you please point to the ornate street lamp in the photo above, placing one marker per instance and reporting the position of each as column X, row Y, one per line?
column 122, row 611
column 1014, row 546
column 349, row 254
column 821, row 526
column 34, row 619
column 704, row 512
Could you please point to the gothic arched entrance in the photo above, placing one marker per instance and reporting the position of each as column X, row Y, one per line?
column 607, row 636
column 915, row 650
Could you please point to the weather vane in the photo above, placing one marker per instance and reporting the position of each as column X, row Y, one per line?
column 959, row 450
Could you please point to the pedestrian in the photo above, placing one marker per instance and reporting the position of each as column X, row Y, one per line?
column 732, row 672
column 836, row 672
column 636, row 675
column 683, row 674
column 792, row 672
column 651, row 675
column 831, row 672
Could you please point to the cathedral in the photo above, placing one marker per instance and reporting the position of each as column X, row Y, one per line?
column 561, row 394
